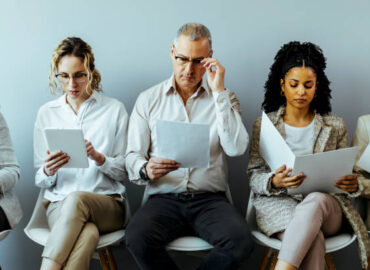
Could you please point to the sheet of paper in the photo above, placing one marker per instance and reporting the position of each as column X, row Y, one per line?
column 186, row 143
column 273, row 147
column 322, row 169
column 364, row 161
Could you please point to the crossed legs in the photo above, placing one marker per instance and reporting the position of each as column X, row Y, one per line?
column 75, row 224
column 303, row 242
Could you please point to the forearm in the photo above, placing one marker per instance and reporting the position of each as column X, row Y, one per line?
column 231, row 130
column 44, row 181
column 114, row 168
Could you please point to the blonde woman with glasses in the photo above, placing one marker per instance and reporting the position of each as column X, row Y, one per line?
column 80, row 203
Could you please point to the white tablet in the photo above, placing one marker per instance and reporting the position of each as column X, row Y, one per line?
column 70, row 141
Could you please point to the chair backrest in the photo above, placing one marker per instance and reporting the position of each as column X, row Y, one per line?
column 38, row 219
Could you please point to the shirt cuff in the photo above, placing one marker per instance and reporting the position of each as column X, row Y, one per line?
column 135, row 176
column 358, row 192
column 274, row 191
column 48, row 180
column 106, row 166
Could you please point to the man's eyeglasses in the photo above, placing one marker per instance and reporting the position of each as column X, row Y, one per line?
column 78, row 77
column 184, row 60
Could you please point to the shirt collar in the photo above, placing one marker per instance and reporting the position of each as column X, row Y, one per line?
column 170, row 85
column 61, row 101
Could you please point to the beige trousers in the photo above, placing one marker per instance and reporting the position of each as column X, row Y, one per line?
column 75, row 225
column 303, row 242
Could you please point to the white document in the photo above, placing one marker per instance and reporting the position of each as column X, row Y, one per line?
column 70, row 141
column 321, row 169
column 273, row 148
column 364, row 161
column 187, row 144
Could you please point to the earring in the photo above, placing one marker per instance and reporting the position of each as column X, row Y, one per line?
column 282, row 93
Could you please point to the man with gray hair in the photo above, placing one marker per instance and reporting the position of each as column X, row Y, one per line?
column 187, row 201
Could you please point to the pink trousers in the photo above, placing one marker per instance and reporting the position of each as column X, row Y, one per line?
column 303, row 242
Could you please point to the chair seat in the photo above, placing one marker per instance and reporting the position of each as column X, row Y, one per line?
column 332, row 243
column 3, row 234
column 189, row 243
column 40, row 236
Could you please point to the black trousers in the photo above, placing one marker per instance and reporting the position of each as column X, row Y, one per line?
column 4, row 223
column 165, row 217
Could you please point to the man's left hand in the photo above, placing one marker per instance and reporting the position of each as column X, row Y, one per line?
column 215, row 74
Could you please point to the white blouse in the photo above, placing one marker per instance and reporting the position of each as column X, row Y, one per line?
column 104, row 123
column 300, row 139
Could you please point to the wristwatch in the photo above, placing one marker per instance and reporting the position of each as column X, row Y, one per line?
column 143, row 174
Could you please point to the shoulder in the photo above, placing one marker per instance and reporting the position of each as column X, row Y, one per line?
column 271, row 115
column 155, row 90
column 333, row 121
column 50, row 105
column 111, row 102
column 111, row 106
column 151, row 95
column 365, row 119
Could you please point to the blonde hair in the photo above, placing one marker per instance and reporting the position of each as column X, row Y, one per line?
column 79, row 48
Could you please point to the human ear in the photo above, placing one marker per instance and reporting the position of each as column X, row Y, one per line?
column 282, row 84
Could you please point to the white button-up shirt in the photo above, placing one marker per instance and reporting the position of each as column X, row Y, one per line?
column 162, row 102
column 104, row 123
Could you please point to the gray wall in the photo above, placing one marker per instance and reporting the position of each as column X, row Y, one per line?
column 131, row 42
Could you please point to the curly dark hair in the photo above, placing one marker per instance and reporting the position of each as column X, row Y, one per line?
column 296, row 54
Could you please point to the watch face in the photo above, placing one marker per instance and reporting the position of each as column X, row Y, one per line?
column 143, row 173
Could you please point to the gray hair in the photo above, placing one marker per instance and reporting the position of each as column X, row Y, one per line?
column 194, row 31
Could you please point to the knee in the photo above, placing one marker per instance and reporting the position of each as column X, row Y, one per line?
column 75, row 200
column 317, row 199
column 73, row 206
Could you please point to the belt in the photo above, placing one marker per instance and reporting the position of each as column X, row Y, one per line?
column 187, row 195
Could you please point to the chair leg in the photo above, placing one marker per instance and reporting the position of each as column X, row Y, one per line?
column 329, row 261
column 103, row 259
column 111, row 261
column 265, row 259
column 274, row 260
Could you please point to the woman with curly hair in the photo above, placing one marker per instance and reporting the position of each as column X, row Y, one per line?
column 80, row 203
column 297, row 101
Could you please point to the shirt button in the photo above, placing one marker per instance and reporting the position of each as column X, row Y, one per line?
column 222, row 101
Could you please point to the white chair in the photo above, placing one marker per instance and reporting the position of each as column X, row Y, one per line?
column 3, row 234
column 189, row 244
column 273, row 245
column 38, row 231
